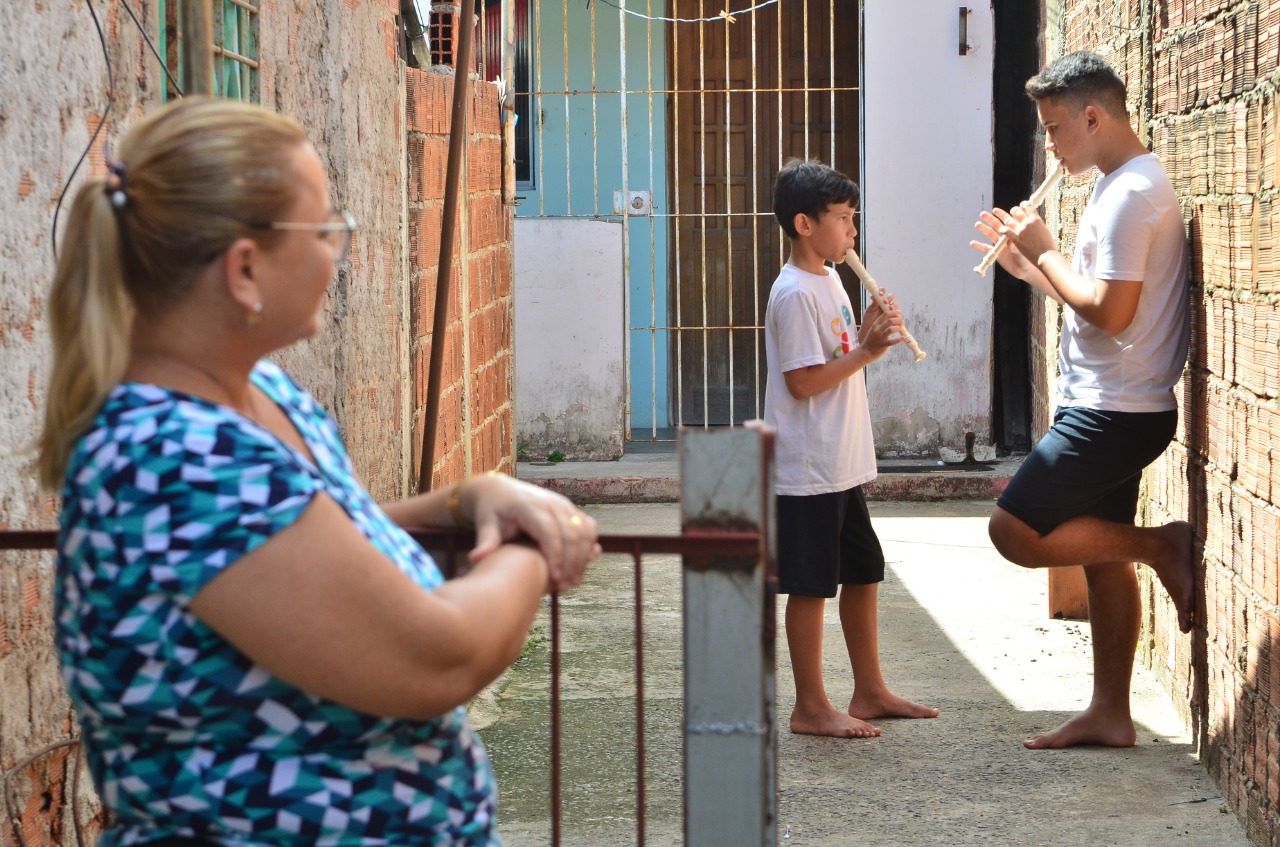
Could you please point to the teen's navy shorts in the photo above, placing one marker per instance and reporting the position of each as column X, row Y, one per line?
column 824, row 541
column 1089, row 463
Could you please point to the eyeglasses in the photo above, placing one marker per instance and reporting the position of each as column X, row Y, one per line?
column 337, row 230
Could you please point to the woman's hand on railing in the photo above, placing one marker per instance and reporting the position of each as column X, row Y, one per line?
column 503, row 508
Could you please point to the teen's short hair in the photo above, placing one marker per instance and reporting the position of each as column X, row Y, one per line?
column 807, row 187
column 1080, row 78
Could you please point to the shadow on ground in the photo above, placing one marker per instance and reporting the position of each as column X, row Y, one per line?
column 960, row 629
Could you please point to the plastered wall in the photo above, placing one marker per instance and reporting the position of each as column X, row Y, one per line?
column 927, row 168
column 335, row 68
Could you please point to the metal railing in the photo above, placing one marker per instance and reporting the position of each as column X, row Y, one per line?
column 726, row 551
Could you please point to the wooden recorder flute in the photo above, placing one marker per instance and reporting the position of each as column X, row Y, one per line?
column 851, row 259
column 1036, row 199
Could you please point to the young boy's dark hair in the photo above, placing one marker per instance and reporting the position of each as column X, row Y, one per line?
column 1079, row 78
column 806, row 187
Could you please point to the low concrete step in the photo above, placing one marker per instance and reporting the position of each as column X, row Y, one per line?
column 654, row 478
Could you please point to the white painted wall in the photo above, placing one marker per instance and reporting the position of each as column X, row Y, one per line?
column 928, row 173
column 570, row 376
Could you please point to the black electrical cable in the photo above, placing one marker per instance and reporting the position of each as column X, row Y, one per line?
column 111, row 86
column 143, row 31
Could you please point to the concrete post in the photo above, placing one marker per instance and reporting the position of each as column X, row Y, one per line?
column 730, row 758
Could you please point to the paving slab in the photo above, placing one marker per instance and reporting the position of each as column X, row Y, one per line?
column 960, row 629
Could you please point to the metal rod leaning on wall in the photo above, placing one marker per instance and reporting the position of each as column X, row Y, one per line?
column 508, row 105
column 448, row 224
column 197, row 46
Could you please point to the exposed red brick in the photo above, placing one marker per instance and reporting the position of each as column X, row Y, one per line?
column 1217, row 130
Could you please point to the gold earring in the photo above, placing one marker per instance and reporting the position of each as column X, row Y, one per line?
column 253, row 317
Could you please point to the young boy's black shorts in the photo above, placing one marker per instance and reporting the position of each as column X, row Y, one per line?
column 1090, row 462
column 825, row 541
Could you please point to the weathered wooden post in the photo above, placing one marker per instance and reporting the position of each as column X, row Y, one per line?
column 730, row 733
column 197, row 46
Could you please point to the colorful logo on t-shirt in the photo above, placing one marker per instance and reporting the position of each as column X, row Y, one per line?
column 841, row 331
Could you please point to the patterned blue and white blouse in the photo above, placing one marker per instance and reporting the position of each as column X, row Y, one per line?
column 184, row 734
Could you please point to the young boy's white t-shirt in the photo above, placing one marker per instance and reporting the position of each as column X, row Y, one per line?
column 824, row 443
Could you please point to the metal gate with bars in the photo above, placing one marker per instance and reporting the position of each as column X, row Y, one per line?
column 672, row 118
column 727, row 595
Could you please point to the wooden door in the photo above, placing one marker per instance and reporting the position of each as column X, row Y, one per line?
column 748, row 95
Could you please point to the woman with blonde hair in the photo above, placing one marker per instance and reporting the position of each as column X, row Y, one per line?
column 257, row 652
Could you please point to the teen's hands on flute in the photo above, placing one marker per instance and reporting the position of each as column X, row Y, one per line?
column 1001, row 227
column 868, row 283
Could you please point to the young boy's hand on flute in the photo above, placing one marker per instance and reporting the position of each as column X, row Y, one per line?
column 881, row 329
column 885, row 306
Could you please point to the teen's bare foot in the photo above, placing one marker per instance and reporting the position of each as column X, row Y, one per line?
column 1177, row 572
column 887, row 705
column 832, row 722
column 1088, row 728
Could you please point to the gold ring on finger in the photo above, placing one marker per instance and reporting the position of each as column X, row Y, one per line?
column 576, row 520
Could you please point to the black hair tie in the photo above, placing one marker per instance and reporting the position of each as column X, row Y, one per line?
column 116, row 181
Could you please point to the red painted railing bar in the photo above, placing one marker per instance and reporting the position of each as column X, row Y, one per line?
column 726, row 543
column 454, row 543
column 28, row 539
column 555, row 721
column 636, row 552
column 729, row 543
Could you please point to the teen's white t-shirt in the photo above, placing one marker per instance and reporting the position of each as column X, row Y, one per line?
column 1131, row 230
column 824, row 443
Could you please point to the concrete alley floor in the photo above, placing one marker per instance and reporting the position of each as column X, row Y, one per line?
column 961, row 629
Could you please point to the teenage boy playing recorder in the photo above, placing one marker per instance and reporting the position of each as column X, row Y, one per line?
column 1125, row 330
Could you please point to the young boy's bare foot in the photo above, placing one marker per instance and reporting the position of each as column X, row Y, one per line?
column 1087, row 728
column 887, row 705
column 1177, row 573
column 832, row 722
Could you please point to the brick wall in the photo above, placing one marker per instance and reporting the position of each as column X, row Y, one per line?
column 475, row 431
column 1203, row 80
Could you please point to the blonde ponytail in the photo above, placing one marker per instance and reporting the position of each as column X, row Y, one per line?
column 89, row 321
column 191, row 177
